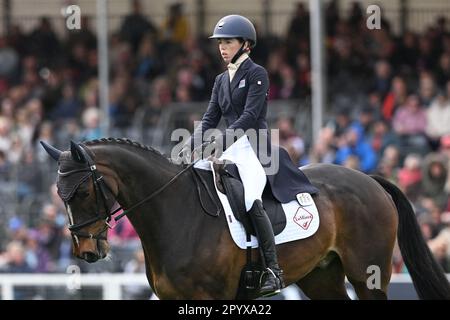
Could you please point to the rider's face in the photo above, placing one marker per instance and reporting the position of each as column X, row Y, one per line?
column 228, row 48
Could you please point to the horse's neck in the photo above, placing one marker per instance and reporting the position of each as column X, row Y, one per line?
column 138, row 172
column 160, row 218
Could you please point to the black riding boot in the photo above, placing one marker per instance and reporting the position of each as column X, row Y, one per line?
column 272, row 280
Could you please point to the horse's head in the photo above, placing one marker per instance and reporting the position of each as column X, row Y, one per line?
column 88, row 200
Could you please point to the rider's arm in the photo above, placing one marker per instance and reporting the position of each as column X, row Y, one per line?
column 255, row 102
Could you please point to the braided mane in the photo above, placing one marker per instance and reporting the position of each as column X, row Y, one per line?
column 124, row 141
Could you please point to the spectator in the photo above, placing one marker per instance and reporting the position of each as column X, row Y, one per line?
column 290, row 140
column 341, row 123
column 410, row 176
column 382, row 137
column 323, row 151
column 352, row 162
column 354, row 145
column 135, row 26
column 14, row 260
column 443, row 71
column 438, row 118
column 91, row 123
column 409, row 124
column 331, row 17
column 148, row 62
column 364, row 124
column 434, row 177
column 9, row 60
column 427, row 89
column 50, row 230
column 388, row 166
column 36, row 255
column 299, row 24
column 44, row 43
column 396, row 97
column 69, row 106
column 83, row 36
column 408, row 52
column 160, row 97
column 356, row 15
column 175, row 28
column 382, row 79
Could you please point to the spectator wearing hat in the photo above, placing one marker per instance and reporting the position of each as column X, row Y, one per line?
column 434, row 177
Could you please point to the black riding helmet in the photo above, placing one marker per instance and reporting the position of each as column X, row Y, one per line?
column 235, row 26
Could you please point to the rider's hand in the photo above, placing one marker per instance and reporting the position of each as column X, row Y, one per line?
column 213, row 149
column 218, row 148
column 185, row 155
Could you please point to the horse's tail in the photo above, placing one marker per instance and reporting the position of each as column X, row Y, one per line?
column 428, row 277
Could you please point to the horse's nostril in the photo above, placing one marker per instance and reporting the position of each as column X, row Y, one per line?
column 90, row 257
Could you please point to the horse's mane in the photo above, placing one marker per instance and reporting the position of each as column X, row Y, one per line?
column 127, row 142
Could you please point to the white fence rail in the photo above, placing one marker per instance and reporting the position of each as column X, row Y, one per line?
column 112, row 284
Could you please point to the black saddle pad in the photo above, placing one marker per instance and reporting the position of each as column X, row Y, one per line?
column 273, row 207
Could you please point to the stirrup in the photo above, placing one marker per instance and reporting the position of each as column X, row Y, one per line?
column 278, row 283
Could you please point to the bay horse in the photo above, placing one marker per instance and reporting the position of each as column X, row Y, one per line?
column 190, row 254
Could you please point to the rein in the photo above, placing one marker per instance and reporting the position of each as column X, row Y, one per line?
column 155, row 193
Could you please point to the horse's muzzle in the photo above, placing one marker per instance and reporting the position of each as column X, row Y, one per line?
column 90, row 257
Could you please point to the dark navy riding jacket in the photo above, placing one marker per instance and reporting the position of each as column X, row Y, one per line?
column 243, row 105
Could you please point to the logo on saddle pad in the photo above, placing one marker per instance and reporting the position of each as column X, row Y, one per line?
column 303, row 218
column 304, row 199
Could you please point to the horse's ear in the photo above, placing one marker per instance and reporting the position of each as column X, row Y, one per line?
column 52, row 151
column 77, row 152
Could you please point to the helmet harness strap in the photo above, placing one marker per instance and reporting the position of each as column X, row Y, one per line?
column 239, row 53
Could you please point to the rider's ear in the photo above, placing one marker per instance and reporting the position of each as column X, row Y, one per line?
column 247, row 46
column 77, row 152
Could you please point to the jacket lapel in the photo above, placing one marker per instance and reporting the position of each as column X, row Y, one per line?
column 226, row 85
column 240, row 73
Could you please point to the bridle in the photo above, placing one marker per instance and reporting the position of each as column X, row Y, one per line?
column 102, row 199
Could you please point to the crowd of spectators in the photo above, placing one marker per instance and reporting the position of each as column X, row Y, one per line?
column 390, row 110
column 389, row 113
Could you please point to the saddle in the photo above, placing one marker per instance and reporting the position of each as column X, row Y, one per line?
column 229, row 182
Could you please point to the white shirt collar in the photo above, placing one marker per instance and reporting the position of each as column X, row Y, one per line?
column 235, row 66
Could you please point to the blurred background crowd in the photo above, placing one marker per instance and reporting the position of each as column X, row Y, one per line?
column 388, row 113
